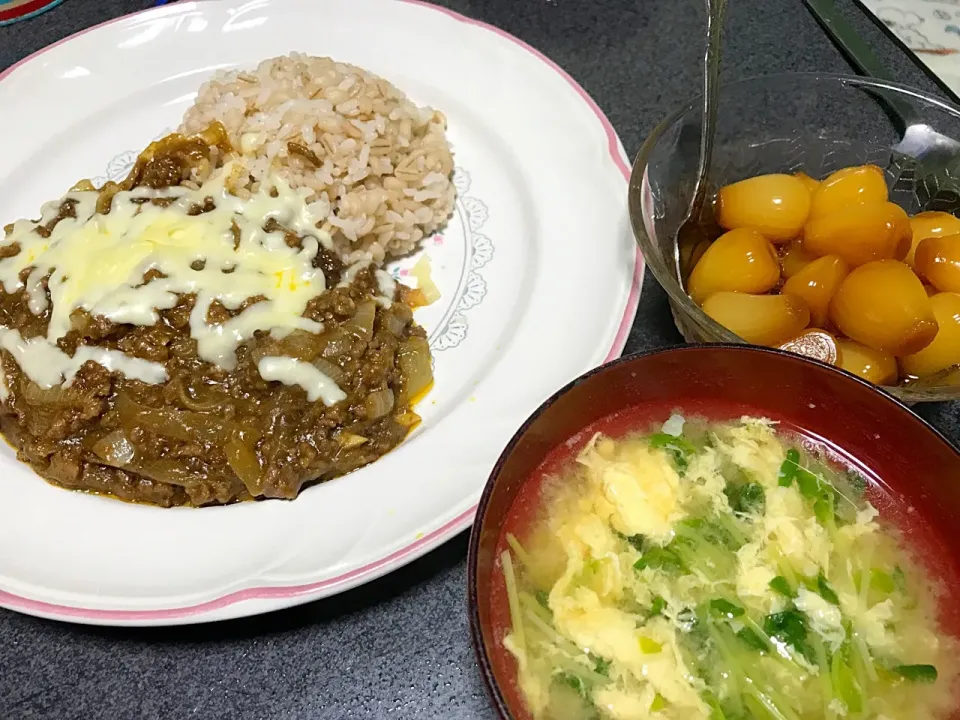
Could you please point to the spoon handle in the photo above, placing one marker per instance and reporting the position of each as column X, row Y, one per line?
column 711, row 93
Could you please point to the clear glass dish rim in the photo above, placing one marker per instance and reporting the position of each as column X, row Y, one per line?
column 679, row 300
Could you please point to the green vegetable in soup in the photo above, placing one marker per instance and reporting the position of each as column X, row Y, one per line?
column 660, row 559
column 781, row 585
column 657, row 606
column 881, row 581
column 574, row 682
column 747, row 498
column 789, row 467
column 601, row 666
column 917, row 673
column 659, row 703
column 789, row 627
column 808, row 483
column 824, row 508
column 752, row 639
column 726, row 608
column 679, row 448
column 826, row 592
column 845, row 685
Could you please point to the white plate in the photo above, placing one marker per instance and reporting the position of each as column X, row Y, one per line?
column 538, row 272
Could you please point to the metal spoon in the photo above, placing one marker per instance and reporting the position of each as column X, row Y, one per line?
column 938, row 156
column 692, row 237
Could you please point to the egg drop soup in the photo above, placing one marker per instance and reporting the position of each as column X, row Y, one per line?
column 721, row 571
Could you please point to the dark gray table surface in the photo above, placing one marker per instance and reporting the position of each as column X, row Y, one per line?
column 399, row 647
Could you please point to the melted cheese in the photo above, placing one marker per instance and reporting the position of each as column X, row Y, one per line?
column 291, row 371
column 97, row 263
column 351, row 272
column 386, row 284
column 48, row 366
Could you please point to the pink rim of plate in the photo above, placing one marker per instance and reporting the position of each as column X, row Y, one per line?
column 423, row 544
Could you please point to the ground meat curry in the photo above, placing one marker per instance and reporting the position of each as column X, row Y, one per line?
column 211, row 432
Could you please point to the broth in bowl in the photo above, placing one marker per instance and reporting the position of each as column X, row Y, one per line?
column 720, row 570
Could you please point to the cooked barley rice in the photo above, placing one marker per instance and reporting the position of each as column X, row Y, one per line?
column 378, row 166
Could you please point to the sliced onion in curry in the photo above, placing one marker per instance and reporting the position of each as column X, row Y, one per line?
column 178, row 424
column 416, row 366
column 33, row 394
column 167, row 470
column 395, row 325
column 243, row 460
column 407, row 419
column 199, row 404
column 337, row 342
column 303, row 345
column 115, row 449
column 330, row 369
column 361, row 324
column 378, row 403
column 349, row 440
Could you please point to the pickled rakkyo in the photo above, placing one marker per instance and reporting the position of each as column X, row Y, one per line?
column 741, row 260
column 860, row 233
column 930, row 224
column 944, row 351
column 817, row 283
column 833, row 270
column 776, row 205
column 793, row 257
column 863, row 185
column 874, row 366
column 807, row 181
column 937, row 261
column 883, row 305
column 759, row 319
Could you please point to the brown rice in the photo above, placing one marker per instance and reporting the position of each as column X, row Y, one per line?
column 378, row 166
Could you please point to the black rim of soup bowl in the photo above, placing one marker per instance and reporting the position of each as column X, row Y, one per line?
column 484, row 662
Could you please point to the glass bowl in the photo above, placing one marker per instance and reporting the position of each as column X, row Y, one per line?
column 792, row 122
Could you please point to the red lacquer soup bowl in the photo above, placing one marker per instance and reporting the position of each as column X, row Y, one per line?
column 914, row 472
